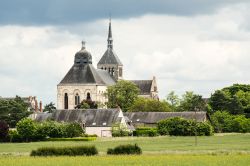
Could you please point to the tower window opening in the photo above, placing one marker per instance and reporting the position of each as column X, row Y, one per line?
column 88, row 96
column 77, row 99
column 66, row 104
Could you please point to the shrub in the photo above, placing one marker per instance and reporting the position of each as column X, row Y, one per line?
column 145, row 131
column 125, row 149
column 14, row 136
column 53, row 129
column 225, row 122
column 26, row 128
column 65, row 151
column 181, row 127
column 4, row 129
column 72, row 130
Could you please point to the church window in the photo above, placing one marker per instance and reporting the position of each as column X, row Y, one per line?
column 155, row 88
column 88, row 96
column 77, row 99
column 109, row 71
column 120, row 72
column 66, row 104
column 105, row 68
column 102, row 68
column 113, row 71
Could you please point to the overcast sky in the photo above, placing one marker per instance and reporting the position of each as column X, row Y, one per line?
column 194, row 45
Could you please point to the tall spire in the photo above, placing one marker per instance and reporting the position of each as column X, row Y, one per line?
column 110, row 39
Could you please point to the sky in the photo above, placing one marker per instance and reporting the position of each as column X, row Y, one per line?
column 194, row 45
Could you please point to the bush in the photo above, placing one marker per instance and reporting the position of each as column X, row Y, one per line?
column 53, row 129
column 145, row 131
column 4, row 129
column 65, row 151
column 73, row 139
column 14, row 136
column 125, row 149
column 72, row 130
column 181, row 127
column 225, row 122
column 26, row 128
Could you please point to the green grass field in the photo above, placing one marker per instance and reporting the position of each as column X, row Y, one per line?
column 229, row 149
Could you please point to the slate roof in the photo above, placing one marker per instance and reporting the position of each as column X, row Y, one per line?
column 82, row 74
column 154, row 117
column 106, row 77
column 143, row 85
column 91, row 117
column 109, row 57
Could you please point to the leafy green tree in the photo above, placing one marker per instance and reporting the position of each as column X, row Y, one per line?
column 4, row 129
column 192, row 102
column 11, row 111
column 49, row 107
column 123, row 94
column 150, row 105
column 173, row 99
column 234, row 99
column 26, row 128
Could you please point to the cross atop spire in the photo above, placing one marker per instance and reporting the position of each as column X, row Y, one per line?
column 110, row 39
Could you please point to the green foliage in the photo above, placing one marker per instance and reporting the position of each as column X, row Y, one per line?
column 122, row 94
column 173, row 99
column 26, row 128
column 87, row 104
column 53, row 129
column 14, row 136
column 149, row 105
column 49, row 107
column 72, row 139
column 4, row 129
column 72, row 130
column 225, row 122
column 65, row 151
column 119, row 131
column 234, row 99
column 181, row 127
column 13, row 110
column 145, row 131
column 192, row 102
column 125, row 150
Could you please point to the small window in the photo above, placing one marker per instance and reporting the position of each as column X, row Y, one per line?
column 88, row 96
column 137, row 120
column 77, row 99
column 94, row 124
column 104, row 124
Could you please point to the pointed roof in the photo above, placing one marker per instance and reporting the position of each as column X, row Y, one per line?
column 143, row 85
column 109, row 57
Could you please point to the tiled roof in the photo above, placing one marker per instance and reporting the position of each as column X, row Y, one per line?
column 143, row 85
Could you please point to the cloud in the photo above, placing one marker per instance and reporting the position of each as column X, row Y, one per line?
column 57, row 12
column 199, row 53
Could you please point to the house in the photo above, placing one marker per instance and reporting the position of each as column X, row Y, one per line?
column 95, row 121
column 150, row 119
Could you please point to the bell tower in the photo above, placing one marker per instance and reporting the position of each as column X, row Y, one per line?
column 110, row 61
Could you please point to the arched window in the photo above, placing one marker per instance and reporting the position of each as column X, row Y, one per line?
column 102, row 68
column 66, row 104
column 88, row 96
column 109, row 70
column 77, row 99
column 105, row 68
column 113, row 71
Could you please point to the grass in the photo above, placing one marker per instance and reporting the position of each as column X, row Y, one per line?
column 174, row 160
column 221, row 149
column 73, row 139
column 218, row 143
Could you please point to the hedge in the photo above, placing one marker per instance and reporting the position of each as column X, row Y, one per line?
column 125, row 149
column 72, row 139
column 181, row 127
column 65, row 151
column 145, row 131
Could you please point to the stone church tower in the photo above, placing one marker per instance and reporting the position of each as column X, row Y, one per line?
column 110, row 61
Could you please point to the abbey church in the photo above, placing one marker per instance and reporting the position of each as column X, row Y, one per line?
column 84, row 81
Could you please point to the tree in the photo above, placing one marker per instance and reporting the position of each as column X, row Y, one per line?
column 87, row 104
column 49, row 107
column 173, row 100
column 122, row 94
column 11, row 111
column 4, row 129
column 149, row 105
column 192, row 102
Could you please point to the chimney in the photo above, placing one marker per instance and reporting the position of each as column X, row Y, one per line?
column 36, row 106
column 40, row 108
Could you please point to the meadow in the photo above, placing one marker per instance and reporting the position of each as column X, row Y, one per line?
column 221, row 149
